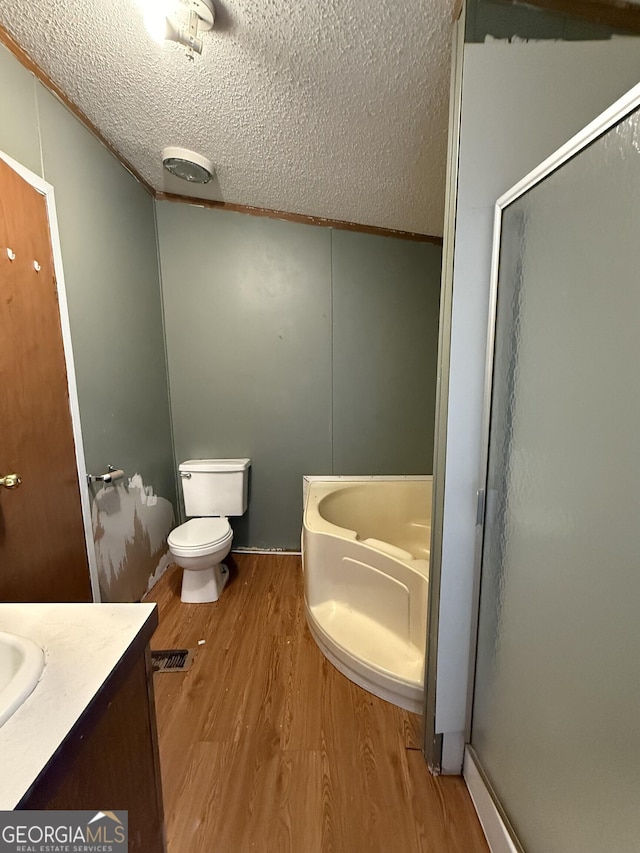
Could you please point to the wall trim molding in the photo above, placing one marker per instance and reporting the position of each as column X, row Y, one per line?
column 302, row 218
column 498, row 832
column 273, row 552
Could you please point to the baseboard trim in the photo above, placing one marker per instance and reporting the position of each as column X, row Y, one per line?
column 272, row 551
column 500, row 836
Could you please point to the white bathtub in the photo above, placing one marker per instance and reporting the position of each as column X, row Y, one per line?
column 365, row 557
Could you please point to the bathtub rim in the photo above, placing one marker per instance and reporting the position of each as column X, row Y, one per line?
column 321, row 525
column 308, row 479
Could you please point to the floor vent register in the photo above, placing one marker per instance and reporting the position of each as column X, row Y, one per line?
column 172, row 660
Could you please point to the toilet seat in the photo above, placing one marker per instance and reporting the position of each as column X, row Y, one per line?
column 199, row 536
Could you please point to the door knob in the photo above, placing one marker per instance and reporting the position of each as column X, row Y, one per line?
column 11, row 481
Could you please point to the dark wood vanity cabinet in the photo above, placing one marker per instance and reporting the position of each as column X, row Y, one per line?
column 109, row 760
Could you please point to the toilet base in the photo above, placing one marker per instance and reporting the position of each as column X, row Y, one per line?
column 203, row 585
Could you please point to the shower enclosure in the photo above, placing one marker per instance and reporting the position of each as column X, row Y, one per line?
column 556, row 706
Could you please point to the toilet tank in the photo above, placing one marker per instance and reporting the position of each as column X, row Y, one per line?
column 215, row 486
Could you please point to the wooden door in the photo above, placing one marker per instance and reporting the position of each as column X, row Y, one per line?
column 42, row 543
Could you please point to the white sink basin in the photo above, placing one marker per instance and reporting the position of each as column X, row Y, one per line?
column 21, row 663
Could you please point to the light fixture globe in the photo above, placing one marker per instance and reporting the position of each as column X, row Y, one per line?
column 155, row 14
column 188, row 165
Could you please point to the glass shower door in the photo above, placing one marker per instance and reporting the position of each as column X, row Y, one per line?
column 556, row 710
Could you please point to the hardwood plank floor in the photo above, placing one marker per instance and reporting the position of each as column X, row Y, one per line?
column 264, row 746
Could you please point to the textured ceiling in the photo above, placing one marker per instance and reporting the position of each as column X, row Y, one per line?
column 330, row 108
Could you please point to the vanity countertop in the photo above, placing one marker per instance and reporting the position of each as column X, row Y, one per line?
column 83, row 644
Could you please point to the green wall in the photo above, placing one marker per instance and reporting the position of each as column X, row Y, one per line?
column 385, row 297
column 19, row 135
column 108, row 236
column 310, row 350
column 109, row 250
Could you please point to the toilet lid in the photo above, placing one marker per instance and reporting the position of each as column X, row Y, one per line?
column 199, row 533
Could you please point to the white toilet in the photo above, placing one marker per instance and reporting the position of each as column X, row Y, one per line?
column 213, row 489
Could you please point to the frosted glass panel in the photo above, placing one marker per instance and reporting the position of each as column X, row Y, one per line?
column 556, row 722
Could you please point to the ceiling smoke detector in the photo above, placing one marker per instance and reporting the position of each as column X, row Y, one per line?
column 188, row 165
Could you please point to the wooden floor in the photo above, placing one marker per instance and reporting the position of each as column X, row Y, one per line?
column 266, row 747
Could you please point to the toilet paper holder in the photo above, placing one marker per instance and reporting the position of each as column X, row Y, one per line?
column 109, row 476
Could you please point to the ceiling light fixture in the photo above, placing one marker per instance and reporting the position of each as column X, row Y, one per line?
column 188, row 165
column 179, row 20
